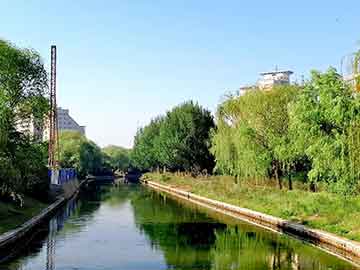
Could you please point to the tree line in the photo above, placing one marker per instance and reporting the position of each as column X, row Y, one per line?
column 311, row 131
column 76, row 151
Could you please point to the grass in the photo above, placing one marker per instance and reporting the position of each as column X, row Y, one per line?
column 321, row 210
column 12, row 215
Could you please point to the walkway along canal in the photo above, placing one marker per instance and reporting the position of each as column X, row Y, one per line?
column 133, row 227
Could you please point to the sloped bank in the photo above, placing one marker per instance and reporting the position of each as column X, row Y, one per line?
column 63, row 194
column 347, row 249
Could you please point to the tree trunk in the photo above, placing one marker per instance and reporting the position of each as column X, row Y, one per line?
column 277, row 177
column 312, row 187
column 290, row 182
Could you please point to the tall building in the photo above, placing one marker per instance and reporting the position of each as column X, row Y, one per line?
column 65, row 123
column 273, row 78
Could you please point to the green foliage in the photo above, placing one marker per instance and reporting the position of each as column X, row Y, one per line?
column 251, row 138
column 356, row 68
column 325, row 127
column 80, row 153
column 23, row 87
column 178, row 141
column 146, row 150
column 117, row 157
column 314, row 129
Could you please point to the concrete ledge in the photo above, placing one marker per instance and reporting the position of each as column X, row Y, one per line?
column 14, row 235
column 334, row 244
column 17, row 234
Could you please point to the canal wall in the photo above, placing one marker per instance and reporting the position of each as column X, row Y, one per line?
column 344, row 248
column 61, row 194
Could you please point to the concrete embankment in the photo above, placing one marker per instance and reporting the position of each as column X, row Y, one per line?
column 347, row 249
column 61, row 195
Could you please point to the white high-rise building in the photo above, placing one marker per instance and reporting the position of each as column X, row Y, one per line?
column 273, row 78
column 268, row 80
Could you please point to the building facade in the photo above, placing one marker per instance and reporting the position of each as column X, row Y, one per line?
column 268, row 80
column 274, row 78
column 65, row 123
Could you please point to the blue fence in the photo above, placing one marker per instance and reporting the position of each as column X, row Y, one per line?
column 62, row 176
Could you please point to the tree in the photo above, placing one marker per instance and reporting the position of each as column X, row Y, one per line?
column 185, row 138
column 251, row 133
column 325, row 125
column 118, row 157
column 146, row 150
column 23, row 90
column 179, row 140
column 80, row 153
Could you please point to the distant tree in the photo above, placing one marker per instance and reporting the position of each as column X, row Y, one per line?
column 179, row 140
column 118, row 157
column 80, row 153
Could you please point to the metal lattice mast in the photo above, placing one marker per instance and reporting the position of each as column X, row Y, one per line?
column 53, row 123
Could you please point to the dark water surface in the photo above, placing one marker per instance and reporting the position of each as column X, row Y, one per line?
column 131, row 227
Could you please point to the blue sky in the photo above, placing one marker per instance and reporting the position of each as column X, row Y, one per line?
column 121, row 63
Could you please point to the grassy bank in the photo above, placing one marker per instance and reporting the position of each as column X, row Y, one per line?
column 321, row 210
column 12, row 215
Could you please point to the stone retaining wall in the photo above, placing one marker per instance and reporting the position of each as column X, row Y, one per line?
column 334, row 244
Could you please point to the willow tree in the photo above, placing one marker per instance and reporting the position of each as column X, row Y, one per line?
column 252, row 129
column 324, row 123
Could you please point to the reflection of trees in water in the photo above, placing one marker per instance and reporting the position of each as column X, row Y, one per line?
column 185, row 236
column 190, row 239
column 46, row 233
column 118, row 195
column 238, row 249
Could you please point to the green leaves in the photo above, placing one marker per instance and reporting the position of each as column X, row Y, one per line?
column 252, row 133
column 179, row 140
column 117, row 157
column 23, row 89
column 325, row 125
column 80, row 153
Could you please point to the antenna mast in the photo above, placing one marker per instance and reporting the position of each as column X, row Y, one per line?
column 53, row 129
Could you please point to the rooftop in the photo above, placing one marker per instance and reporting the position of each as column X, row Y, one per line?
column 289, row 72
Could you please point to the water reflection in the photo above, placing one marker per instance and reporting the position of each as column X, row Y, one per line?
column 45, row 235
column 131, row 227
column 193, row 239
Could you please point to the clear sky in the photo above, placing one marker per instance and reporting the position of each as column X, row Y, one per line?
column 122, row 62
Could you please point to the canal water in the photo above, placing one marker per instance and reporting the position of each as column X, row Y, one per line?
column 132, row 227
